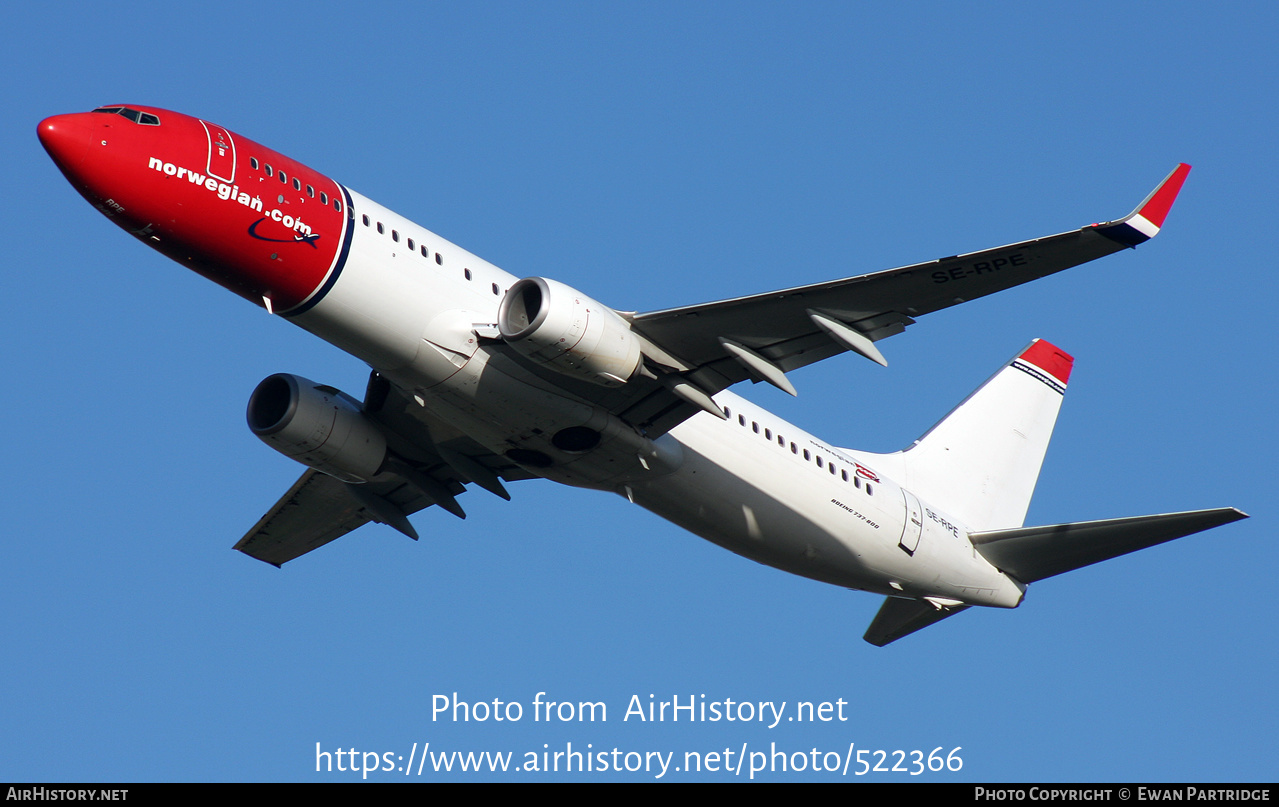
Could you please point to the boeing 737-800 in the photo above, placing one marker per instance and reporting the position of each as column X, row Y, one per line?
column 480, row 377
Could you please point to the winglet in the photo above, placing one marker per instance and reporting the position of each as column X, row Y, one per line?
column 1143, row 224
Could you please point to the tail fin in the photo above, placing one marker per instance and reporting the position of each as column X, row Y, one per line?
column 981, row 461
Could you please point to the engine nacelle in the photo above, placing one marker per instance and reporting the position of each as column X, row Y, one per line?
column 556, row 325
column 318, row 426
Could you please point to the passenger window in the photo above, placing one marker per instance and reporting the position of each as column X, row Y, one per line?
column 337, row 205
column 253, row 163
column 310, row 191
column 395, row 236
column 495, row 291
column 439, row 259
column 297, row 184
column 741, row 420
column 380, row 229
column 844, row 475
column 324, row 198
column 269, row 172
column 467, row 273
column 284, row 179
column 754, row 427
column 426, row 253
column 366, row 220
column 807, row 456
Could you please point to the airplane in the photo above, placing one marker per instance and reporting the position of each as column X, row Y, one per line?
column 482, row 378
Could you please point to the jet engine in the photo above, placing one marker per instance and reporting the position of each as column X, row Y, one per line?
column 556, row 325
column 318, row 426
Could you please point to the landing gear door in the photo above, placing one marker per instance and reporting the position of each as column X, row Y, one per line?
column 912, row 524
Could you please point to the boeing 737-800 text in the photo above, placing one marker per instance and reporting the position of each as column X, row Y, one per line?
column 479, row 377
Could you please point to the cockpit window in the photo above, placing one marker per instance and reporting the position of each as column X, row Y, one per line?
column 144, row 118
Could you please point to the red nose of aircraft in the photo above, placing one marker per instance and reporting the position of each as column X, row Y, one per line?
column 67, row 139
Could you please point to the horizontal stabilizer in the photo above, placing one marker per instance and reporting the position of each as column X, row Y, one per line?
column 899, row 617
column 1034, row 553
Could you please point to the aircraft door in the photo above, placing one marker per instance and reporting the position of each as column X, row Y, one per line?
column 221, row 163
column 912, row 524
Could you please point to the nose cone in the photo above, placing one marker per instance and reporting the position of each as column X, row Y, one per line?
column 67, row 139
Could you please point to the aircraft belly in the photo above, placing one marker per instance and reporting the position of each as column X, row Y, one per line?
column 741, row 493
column 763, row 513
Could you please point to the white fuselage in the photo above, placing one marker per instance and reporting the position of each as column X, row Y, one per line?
column 753, row 483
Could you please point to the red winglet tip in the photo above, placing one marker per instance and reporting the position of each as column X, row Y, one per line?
column 1156, row 208
column 1049, row 358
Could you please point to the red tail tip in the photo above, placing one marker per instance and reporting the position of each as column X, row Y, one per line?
column 1049, row 358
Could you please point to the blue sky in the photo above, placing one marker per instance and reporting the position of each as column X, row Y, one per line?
column 652, row 155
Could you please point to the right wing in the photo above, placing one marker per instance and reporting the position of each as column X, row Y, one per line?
column 780, row 326
column 692, row 352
